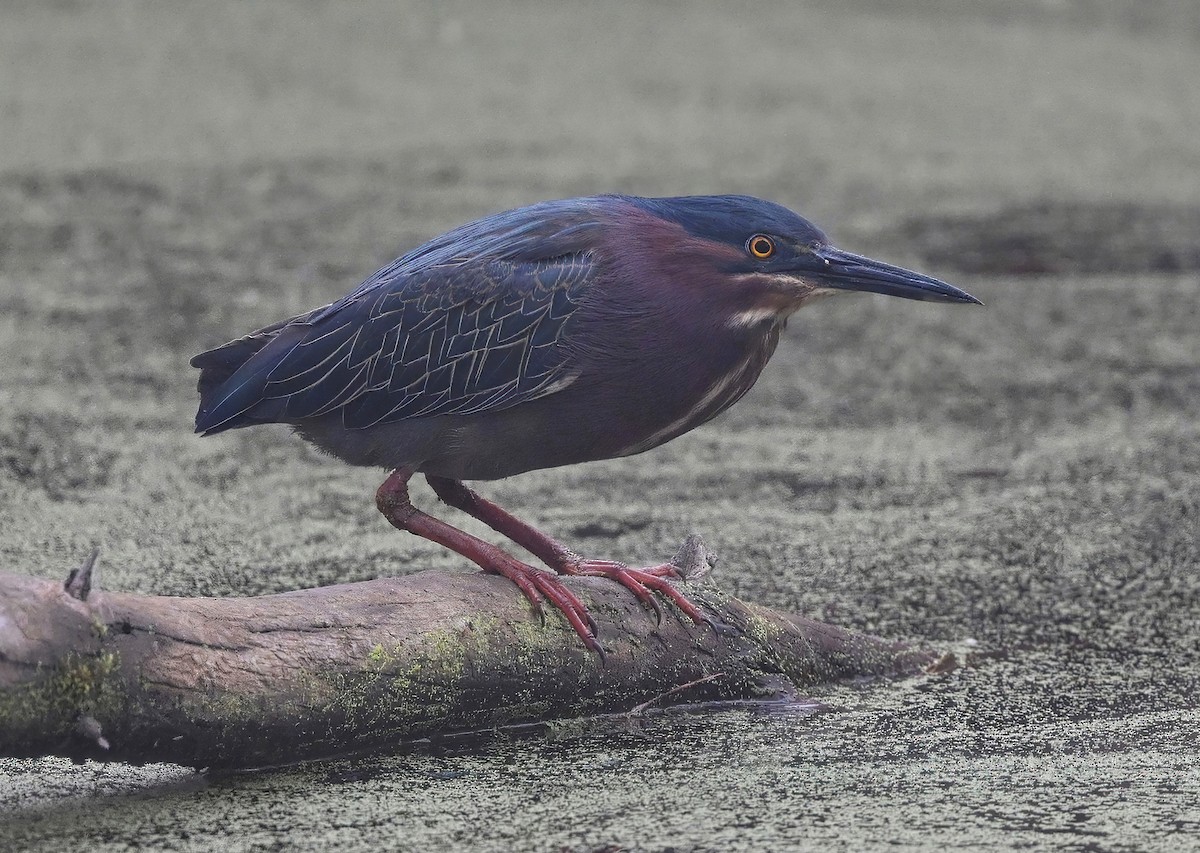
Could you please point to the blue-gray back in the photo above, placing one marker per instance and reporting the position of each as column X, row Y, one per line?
column 470, row 321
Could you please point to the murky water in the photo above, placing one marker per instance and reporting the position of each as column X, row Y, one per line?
column 1025, row 474
column 1037, row 751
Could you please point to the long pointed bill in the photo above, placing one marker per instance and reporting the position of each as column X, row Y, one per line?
column 847, row 271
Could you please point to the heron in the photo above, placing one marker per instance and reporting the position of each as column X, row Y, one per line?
column 554, row 334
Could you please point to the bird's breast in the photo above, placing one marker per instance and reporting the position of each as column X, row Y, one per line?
column 627, row 407
column 727, row 380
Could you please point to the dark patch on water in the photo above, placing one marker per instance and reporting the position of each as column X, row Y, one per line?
column 52, row 454
column 1054, row 237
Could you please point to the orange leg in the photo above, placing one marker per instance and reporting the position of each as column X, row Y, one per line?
column 641, row 582
column 537, row 585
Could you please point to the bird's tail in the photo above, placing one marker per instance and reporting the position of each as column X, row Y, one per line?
column 231, row 380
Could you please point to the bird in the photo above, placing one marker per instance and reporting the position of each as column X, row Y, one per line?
column 554, row 334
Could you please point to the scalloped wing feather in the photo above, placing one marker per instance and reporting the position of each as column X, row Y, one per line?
column 452, row 339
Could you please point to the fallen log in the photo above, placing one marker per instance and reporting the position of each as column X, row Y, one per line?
column 251, row 682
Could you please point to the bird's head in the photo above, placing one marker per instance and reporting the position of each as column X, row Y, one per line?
column 771, row 261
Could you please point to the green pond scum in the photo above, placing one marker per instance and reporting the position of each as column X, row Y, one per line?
column 1018, row 481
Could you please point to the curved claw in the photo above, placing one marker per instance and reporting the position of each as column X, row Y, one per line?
column 622, row 574
column 641, row 582
column 627, row 578
column 393, row 501
column 723, row 629
column 537, row 585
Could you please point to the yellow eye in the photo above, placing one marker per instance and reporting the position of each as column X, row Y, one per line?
column 761, row 246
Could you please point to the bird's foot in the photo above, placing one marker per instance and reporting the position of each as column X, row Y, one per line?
column 643, row 583
column 538, row 585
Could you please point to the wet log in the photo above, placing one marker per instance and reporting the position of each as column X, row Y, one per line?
column 238, row 683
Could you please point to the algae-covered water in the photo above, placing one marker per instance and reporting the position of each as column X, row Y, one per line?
column 1064, row 765
column 1018, row 483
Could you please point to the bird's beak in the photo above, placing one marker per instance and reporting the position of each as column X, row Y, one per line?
column 833, row 268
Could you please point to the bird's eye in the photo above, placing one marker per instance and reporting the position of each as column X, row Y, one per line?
column 761, row 246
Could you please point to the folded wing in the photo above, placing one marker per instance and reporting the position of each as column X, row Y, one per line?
column 454, row 338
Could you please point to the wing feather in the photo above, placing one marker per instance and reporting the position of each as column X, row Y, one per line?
column 387, row 358
column 478, row 319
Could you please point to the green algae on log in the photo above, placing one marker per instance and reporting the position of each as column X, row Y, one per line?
column 252, row 682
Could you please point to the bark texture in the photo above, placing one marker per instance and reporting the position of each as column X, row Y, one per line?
column 251, row 682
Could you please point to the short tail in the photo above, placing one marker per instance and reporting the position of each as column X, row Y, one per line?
column 231, row 382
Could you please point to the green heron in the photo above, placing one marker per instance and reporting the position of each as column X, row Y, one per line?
column 562, row 332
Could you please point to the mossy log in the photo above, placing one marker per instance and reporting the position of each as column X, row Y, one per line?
column 252, row 682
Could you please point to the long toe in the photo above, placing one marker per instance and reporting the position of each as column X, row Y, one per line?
column 641, row 582
column 538, row 585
